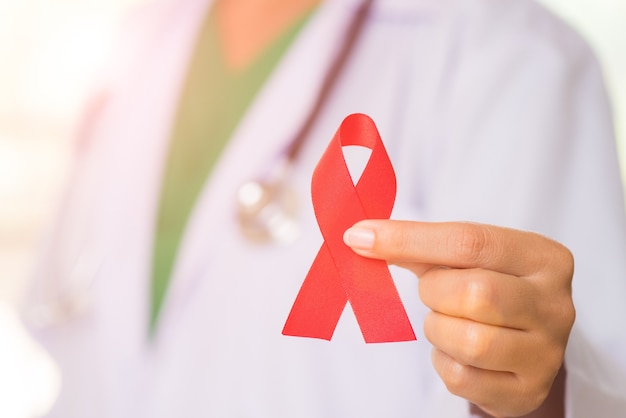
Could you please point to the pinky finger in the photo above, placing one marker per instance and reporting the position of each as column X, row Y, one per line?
column 496, row 392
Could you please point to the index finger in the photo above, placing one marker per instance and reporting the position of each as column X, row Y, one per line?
column 454, row 244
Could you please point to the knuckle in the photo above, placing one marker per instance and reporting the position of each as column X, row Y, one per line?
column 430, row 327
column 561, row 311
column 548, row 357
column 534, row 388
column 403, row 241
column 477, row 345
column 571, row 314
column 454, row 375
column 558, row 261
column 535, row 394
column 456, row 379
column 557, row 286
column 567, row 314
column 564, row 259
column 470, row 244
column 479, row 295
column 532, row 401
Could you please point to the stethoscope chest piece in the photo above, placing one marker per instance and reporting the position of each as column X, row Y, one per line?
column 267, row 212
column 267, row 209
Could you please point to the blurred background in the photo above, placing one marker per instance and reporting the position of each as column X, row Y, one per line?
column 50, row 52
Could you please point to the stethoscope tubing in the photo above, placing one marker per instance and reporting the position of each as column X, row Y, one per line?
column 266, row 205
column 351, row 37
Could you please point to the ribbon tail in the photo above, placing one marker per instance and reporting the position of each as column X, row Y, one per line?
column 390, row 323
column 374, row 299
column 320, row 301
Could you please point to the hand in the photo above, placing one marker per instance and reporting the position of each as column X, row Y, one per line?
column 500, row 300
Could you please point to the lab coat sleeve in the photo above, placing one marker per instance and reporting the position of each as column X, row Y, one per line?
column 528, row 143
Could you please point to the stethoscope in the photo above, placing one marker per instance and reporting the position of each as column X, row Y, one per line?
column 267, row 206
column 266, row 209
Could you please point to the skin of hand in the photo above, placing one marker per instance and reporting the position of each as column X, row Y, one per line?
column 500, row 300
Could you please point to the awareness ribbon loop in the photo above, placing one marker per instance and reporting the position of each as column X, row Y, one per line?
column 339, row 275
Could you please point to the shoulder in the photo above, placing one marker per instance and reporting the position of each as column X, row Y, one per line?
column 521, row 30
column 478, row 28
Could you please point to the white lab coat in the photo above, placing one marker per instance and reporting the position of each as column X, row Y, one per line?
column 492, row 111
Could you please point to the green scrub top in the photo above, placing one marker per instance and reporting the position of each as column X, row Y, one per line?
column 212, row 102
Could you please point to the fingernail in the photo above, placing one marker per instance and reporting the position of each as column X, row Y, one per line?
column 359, row 238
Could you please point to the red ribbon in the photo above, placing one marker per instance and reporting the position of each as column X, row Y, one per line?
column 339, row 275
